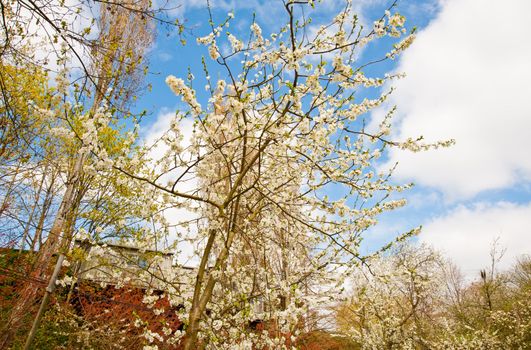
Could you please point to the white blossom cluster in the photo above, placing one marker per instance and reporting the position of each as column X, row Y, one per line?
column 179, row 88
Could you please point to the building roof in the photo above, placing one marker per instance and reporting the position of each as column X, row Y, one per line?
column 122, row 246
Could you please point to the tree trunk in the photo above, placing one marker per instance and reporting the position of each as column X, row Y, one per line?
column 30, row 218
column 199, row 304
column 45, row 207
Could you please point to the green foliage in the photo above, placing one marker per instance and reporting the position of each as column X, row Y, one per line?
column 24, row 90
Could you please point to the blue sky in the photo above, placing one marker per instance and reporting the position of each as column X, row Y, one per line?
column 468, row 79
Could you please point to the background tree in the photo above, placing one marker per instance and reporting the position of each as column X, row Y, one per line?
column 412, row 299
column 75, row 127
column 395, row 304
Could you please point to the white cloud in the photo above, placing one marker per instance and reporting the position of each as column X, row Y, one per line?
column 164, row 56
column 175, row 216
column 152, row 136
column 468, row 79
column 466, row 234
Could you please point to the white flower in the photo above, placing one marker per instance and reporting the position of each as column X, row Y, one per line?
column 236, row 44
column 397, row 20
column 213, row 51
column 379, row 27
column 206, row 39
column 217, row 324
column 151, row 336
column 166, row 330
column 179, row 88
column 255, row 28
